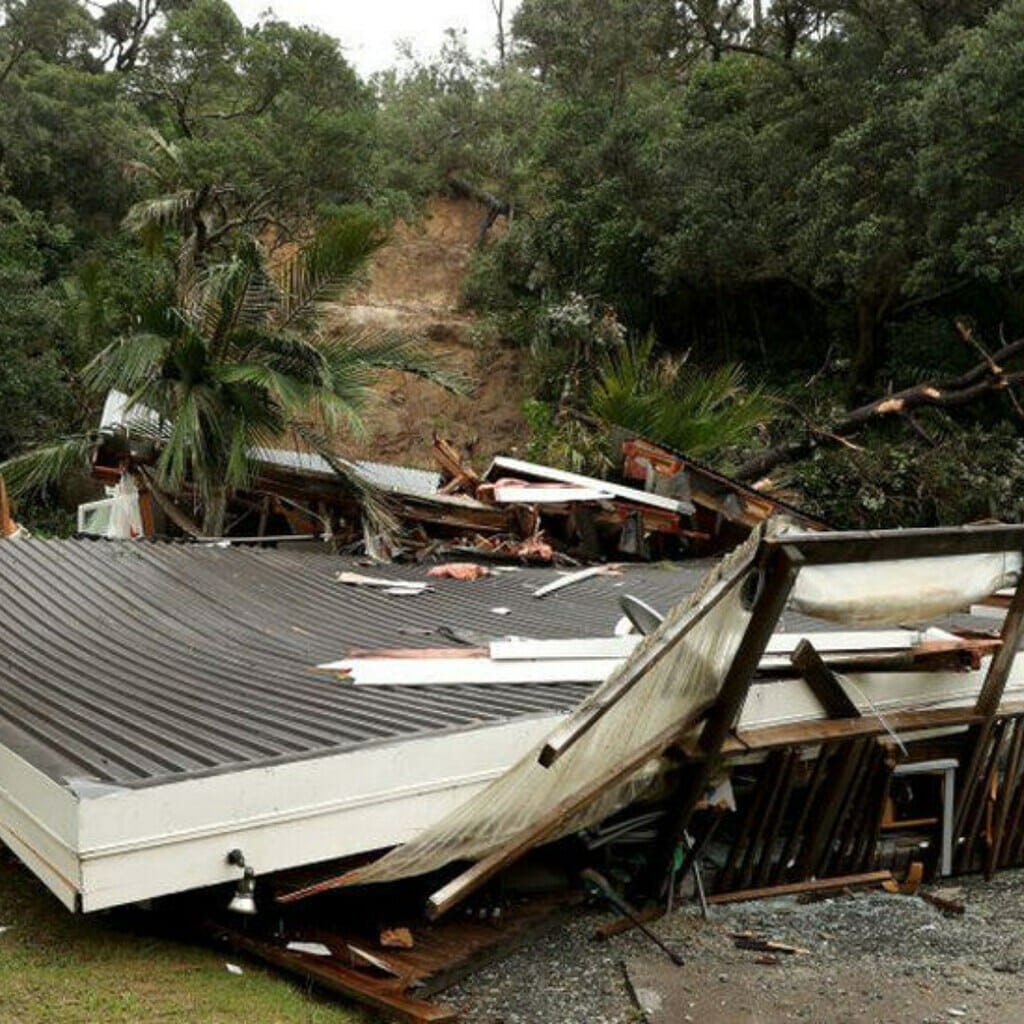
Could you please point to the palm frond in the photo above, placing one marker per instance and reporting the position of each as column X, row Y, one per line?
column 339, row 251
column 696, row 412
column 47, row 465
column 125, row 363
column 292, row 394
column 345, row 353
column 162, row 212
column 373, row 504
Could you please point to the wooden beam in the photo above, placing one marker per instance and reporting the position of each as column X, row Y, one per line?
column 778, row 574
column 1007, row 788
column 602, row 702
column 557, row 818
column 7, row 524
column 824, row 683
column 813, row 885
column 381, row 994
column 849, row 760
column 987, row 706
column 893, row 545
column 1002, row 661
column 826, row 730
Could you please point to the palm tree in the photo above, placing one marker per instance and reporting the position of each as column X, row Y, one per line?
column 242, row 361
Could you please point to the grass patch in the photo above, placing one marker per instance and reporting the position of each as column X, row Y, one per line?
column 62, row 968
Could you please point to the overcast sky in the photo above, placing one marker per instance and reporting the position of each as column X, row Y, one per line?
column 369, row 29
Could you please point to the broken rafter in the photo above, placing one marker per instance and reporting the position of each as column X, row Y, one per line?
column 825, row 684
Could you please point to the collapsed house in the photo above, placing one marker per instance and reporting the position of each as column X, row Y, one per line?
column 514, row 510
column 165, row 704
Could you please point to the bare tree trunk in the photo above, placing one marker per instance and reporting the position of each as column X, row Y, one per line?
column 215, row 513
column 985, row 378
column 498, row 6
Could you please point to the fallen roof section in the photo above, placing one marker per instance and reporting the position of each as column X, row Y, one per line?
column 158, row 706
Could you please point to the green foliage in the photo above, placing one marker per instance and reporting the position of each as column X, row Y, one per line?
column 34, row 398
column 565, row 443
column 698, row 412
column 970, row 474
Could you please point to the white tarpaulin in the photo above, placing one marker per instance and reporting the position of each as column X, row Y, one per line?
column 891, row 593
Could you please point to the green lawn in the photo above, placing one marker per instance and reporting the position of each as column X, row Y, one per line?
column 60, row 968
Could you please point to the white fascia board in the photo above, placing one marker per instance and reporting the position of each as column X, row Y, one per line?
column 788, row 701
column 513, row 466
column 583, row 647
column 137, row 844
column 39, row 822
column 555, row 494
column 468, row 671
column 836, row 641
column 584, row 660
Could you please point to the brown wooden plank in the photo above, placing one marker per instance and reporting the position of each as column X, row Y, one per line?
column 1007, row 788
column 470, row 880
column 976, row 798
column 793, row 843
column 830, row 730
column 564, row 736
column 834, row 795
column 1002, row 661
column 795, row 888
column 753, row 821
column 866, row 851
column 776, row 814
column 824, row 683
column 381, row 994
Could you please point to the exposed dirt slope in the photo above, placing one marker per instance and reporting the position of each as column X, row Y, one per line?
column 414, row 286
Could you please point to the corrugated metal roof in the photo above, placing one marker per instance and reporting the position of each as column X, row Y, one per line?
column 134, row 663
column 404, row 481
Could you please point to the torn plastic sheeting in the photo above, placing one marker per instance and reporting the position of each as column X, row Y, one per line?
column 889, row 593
column 687, row 675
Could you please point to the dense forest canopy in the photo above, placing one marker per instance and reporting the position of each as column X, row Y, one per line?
column 762, row 214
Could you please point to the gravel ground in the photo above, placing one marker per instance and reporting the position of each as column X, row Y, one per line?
column 872, row 957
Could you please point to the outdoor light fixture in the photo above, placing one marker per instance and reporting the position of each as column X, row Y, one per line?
column 244, row 900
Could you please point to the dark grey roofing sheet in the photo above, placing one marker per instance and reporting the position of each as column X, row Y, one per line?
column 135, row 663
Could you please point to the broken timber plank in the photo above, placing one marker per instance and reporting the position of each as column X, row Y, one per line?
column 470, row 880
column 375, row 992
column 1007, row 788
column 826, row 730
column 794, row 888
column 778, row 575
column 825, row 684
column 575, row 577
column 987, row 705
column 599, row 705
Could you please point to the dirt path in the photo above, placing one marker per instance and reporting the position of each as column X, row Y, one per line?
column 414, row 287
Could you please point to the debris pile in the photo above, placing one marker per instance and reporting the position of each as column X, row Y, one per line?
column 668, row 506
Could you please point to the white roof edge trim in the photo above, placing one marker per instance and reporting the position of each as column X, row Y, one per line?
column 638, row 497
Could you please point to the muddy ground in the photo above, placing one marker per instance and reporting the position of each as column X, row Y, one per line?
column 870, row 957
column 414, row 290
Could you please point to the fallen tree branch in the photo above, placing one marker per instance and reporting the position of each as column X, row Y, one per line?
column 987, row 376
